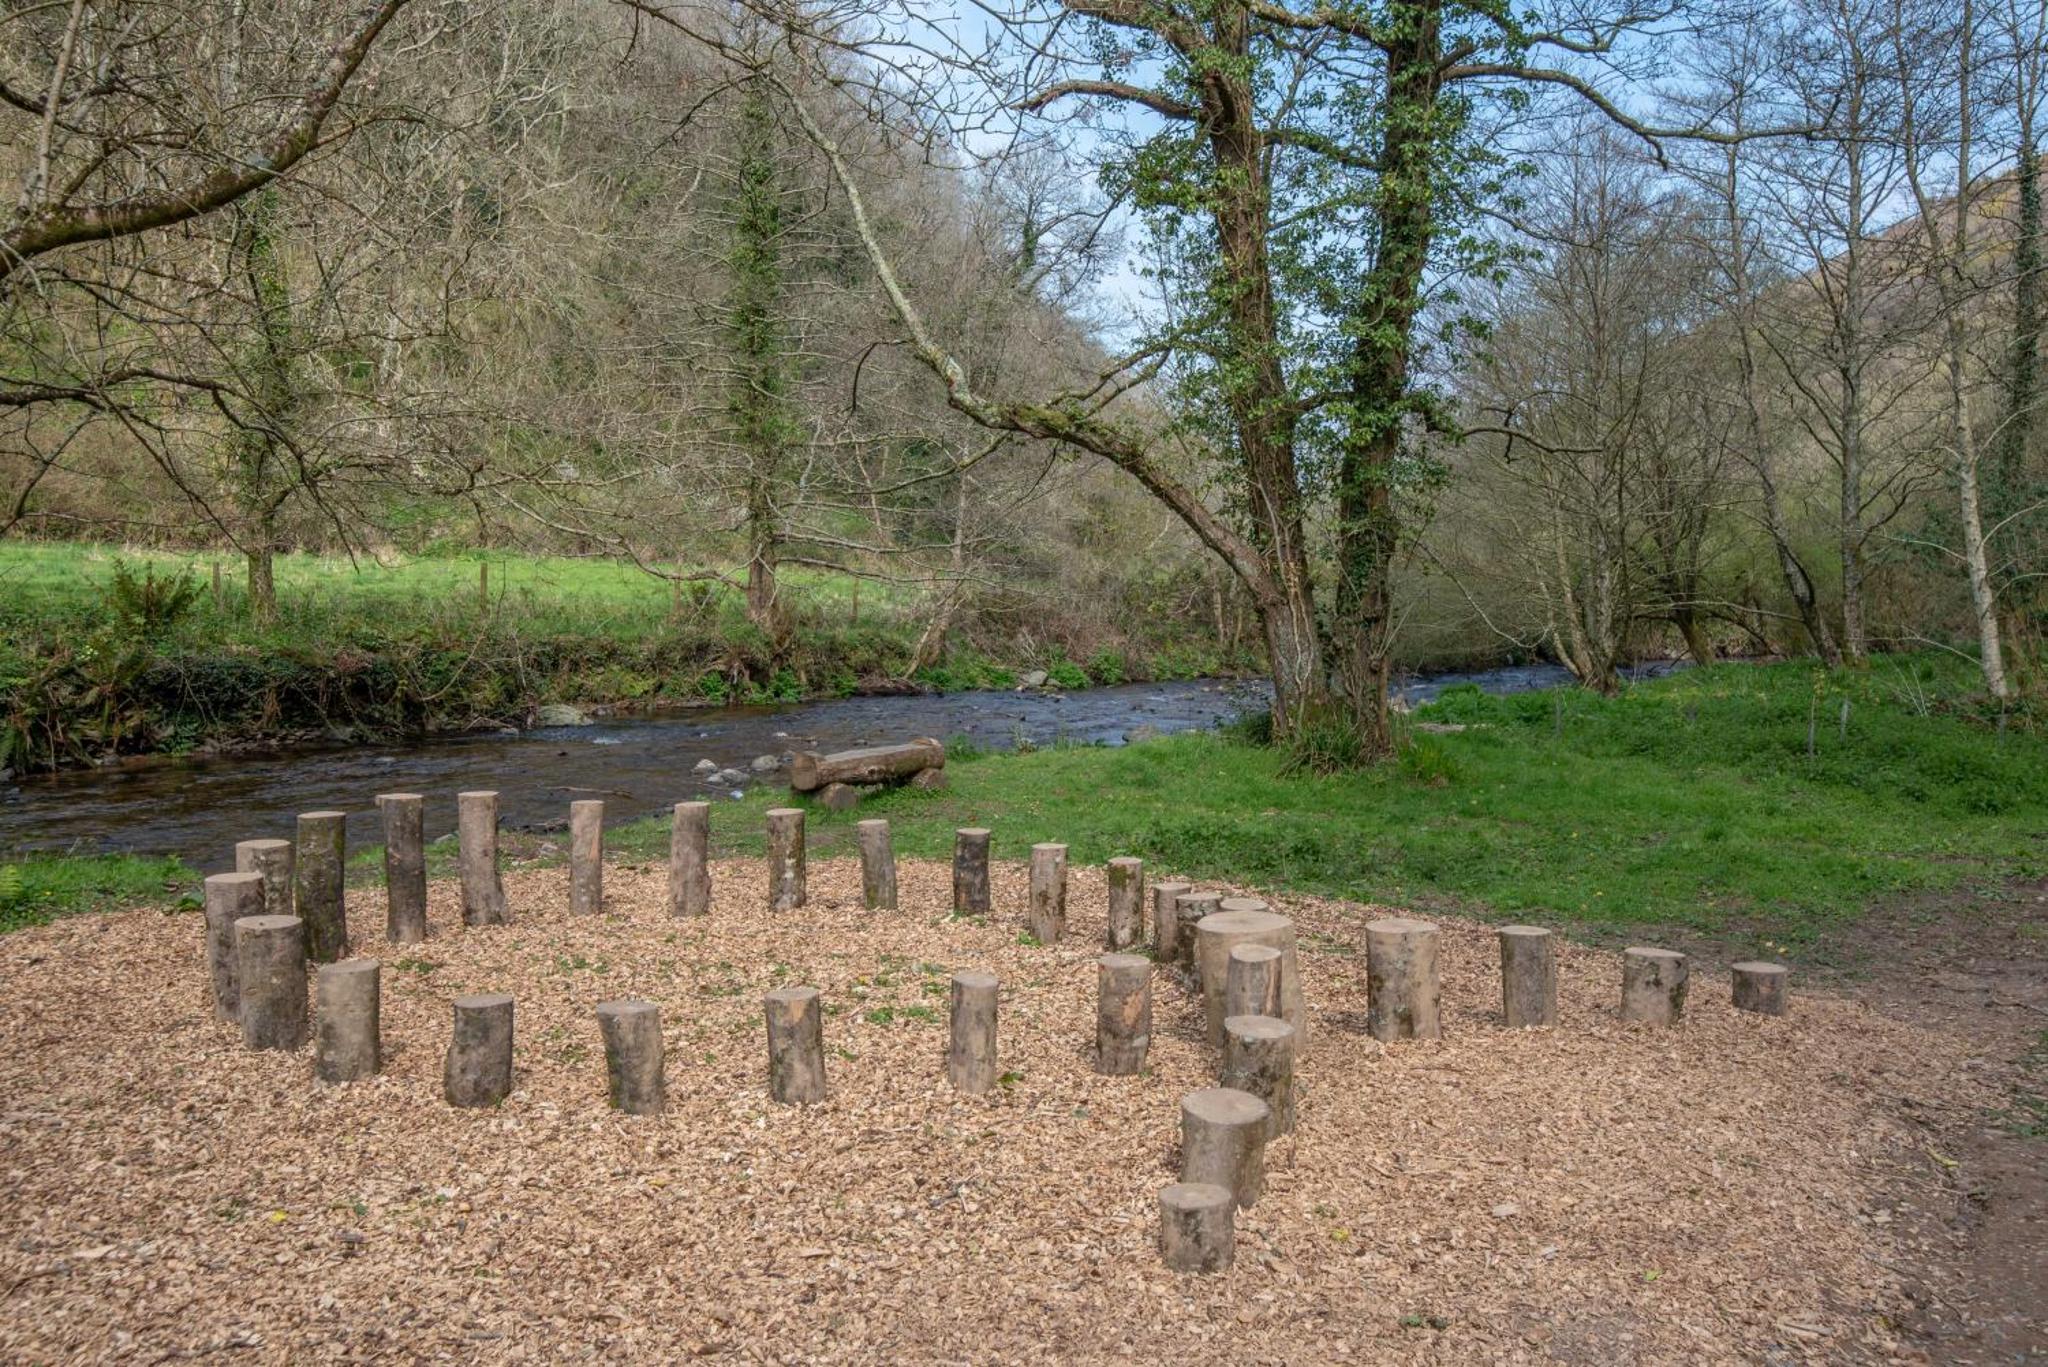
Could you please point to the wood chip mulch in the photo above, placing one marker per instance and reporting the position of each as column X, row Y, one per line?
column 1596, row 1193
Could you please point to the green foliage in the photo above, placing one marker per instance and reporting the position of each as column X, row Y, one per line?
column 1064, row 673
column 38, row 887
column 149, row 605
column 1106, row 667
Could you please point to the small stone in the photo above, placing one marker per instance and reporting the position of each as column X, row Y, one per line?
column 1034, row 678
column 764, row 763
column 560, row 714
column 705, row 766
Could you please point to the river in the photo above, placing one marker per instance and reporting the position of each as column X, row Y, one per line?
column 198, row 808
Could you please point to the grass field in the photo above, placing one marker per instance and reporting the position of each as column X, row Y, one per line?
column 1690, row 800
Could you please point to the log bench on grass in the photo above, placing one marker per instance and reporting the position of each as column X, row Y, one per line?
column 837, row 778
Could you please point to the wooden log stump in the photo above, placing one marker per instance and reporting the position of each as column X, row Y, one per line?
column 1223, row 1140
column 810, row 771
column 348, row 1040
column 1197, row 1227
column 689, row 860
column 318, row 897
column 1046, row 911
column 796, row 1045
column 586, row 857
column 1528, row 977
column 634, row 1061
column 971, row 1055
column 1222, row 931
column 1126, row 902
column 1251, row 982
column 1123, row 1014
column 272, row 859
column 405, row 867
column 839, row 797
column 483, row 893
column 477, row 1070
column 1258, row 1057
column 970, row 871
column 1401, row 980
column 877, row 865
column 270, row 967
column 1166, row 920
column 1759, row 987
column 785, row 858
column 1653, row 983
column 229, row 898
column 1190, row 909
column 929, row 781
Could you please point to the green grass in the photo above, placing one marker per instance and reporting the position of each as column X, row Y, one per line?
column 39, row 887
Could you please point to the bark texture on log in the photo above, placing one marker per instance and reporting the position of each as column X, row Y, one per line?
column 786, row 858
column 1046, row 911
column 586, row 857
column 1251, row 981
column 689, row 860
column 477, row 1070
column 1123, row 1014
column 483, row 894
column 348, row 1041
column 1222, row 931
column 1401, row 980
column 1223, row 1140
column 1190, row 909
column 877, row 865
column 318, row 897
column 810, row 771
column 1126, row 902
column 1197, row 1227
column 405, row 867
column 796, row 1045
column 1528, row 977
column 1759, row 987
column 270, row 965
column 970, row 871
column 1653, row 984
column 1166, row 920
column 971, row 1055
column 272, row 859
column 1258, row 1057
column 838, row 797
column 229, row 898
column 634, row 1060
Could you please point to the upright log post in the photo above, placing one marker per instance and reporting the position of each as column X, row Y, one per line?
column 270, row 965
column 1247, row 923
column 348, row 1033
column 1047, row 910
column 405, row 867
column 483, row 892
column 229, row 898
column 1258, row 1057
column 1223, row 1140
column 1123, row 1014
column 1251, row 981
column 689, row 860
column 1190, row 909
column 1653, row 983
column 1759, row 987
column 971, row 1055
column 1197, row 1227
column 970, row 871
column 633, row 1056
column 785, row 858
column 320, row 860
column 477, row 1070
column 1528, row 977
column 272, row 859
column 877, row 865
column 1166, row 920
column 1401, row 980
column 796, row 1045
column 586, row 857
column 1126, row 902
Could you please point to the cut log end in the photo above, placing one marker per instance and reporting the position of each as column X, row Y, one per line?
column 1123, row 1014
column 786, row 874
column 1760, row 987
column 689, row 860
column 1197, row 1227
column 877, row 864
column 1528, row 977
column 796, row 1045
column 971, row 1055
column 970, row 871
column 633, row 1056
column 1401, row 980
column 477, row 1069
column 1653, row 986
column 348, row 1040
column 270, row 965
column 1258, row 1058
column 1126, row 902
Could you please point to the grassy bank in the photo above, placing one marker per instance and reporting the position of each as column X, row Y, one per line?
column 106, row 652
column 1691, row 800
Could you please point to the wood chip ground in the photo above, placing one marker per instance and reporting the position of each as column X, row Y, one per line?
column 1596, row 1193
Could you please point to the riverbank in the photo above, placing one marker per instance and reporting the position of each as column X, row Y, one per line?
column 1690, row 801
column 108, row 653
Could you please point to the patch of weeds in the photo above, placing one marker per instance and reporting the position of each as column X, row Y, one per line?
column 576, row 963
column 1027, row 939
column 1009, row 1080
column 411, row 965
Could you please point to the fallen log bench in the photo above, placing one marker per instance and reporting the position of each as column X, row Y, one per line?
column 837, row 778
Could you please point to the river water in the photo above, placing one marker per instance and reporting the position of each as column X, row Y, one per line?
column 199, row 808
